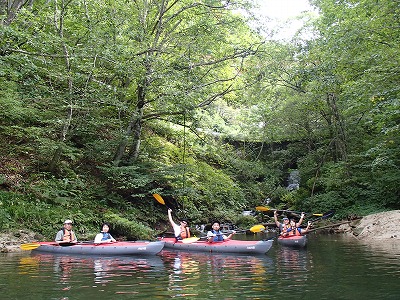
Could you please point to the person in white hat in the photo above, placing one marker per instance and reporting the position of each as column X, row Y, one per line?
column 66, row 234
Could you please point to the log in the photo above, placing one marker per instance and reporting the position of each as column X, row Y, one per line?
column 329, row 226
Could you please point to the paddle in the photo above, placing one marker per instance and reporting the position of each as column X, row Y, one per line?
column 32, row 246
column 257, row 228
column 29, row 246
column 160, row 199
column 324, row 216
column 254, row 229
column 190, row 240
column 266, row 208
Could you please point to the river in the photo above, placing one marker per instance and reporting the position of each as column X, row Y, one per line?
column 331, row 267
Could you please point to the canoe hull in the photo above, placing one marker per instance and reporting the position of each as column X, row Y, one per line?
column 118, row 248
column 293, row 241
column 230, row 246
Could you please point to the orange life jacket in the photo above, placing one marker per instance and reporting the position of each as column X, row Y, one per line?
column 185, row 232
column 68, row 236
column 294, row 231
column 285, row 229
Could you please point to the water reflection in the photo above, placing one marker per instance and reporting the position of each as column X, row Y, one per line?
column 68, row 270
column 293, row 265
column 28, row 265
column 199, row 274
column 390, row 249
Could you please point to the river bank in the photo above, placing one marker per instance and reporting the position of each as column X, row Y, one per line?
column 377, row 228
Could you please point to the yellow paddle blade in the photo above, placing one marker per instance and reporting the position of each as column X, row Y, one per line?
column 29, row 246
column 318, row 215
column 263, row 208
column 159, row 199
column 257, row 228
column 190, row 240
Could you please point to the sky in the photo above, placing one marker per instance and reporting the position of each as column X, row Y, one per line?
column 283, row 9
column 280, row 11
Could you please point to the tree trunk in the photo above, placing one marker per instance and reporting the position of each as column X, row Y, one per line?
column 10, row 9
column 59, row 25
column 337, row 127
column 135, row 128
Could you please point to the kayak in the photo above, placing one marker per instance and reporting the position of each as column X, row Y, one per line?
column 117, row 248
column 228, row 246
column 293, row 241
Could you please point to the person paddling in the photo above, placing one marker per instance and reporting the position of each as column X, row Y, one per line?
column 181, row 231
column 216, row 235
column 66, row 234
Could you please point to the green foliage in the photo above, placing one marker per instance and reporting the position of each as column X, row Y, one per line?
column 19, row 209
column 245, row 222
column 5, row 216
column 132, row 179
column 133, row 230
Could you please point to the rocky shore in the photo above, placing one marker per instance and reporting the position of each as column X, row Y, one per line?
column 376, row 227
column 379, row 227
column 11, row 241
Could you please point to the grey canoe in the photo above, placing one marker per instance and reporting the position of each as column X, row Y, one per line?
column 293, row 241
column 229, row 246
column 117, row 248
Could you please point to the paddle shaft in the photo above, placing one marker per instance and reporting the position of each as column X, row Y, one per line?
column 32, row 246
column 266, row 208
column 254, row 229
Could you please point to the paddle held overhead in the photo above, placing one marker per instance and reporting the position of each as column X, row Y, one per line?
column 266, row 208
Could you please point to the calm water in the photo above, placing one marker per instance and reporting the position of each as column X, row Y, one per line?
column 331, row 267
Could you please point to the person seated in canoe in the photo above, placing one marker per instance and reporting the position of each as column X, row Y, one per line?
column 181, row 231
column 296, row 230
column 285, row 222
column 216, row 235
column 66, row 235
column 104, row 236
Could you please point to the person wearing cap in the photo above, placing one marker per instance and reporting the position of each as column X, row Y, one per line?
column 216, row 235
column 181, row 231
column 66, row 234
column 283, row 227
column 104, row 236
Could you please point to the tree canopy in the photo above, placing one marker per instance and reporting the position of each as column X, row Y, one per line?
column 104, row 103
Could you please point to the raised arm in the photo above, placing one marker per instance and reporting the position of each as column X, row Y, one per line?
column 301, row 220
column 278, row 224
column 307, row 228
column 170, row 217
